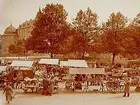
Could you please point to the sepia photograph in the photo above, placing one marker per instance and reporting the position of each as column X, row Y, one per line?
column 69, row 52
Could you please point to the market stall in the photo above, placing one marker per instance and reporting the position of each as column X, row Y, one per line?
column 3, row 68
column 19, row 70
column 32, row 85
column 83, row 78
column 23, row 72
column 2, row 74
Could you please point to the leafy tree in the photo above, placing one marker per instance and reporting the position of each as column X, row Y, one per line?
column 21, row 46
column 136, row 21
column 66, row 45
column 18, row 48
column 85, row 24
column 79, row 44
column 133, row 33
column 12, row 49
column 128, row 43
column 50, row 30
column 112, row 37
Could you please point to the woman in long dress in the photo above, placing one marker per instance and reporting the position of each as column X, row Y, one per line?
column 51, row 88
column 127, row 88
column 8, row 93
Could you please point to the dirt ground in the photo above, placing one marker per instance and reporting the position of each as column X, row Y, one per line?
column 73, row 99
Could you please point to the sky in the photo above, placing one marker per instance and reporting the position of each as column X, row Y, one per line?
column 18, row 11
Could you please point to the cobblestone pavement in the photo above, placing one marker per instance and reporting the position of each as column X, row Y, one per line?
column 73, row 99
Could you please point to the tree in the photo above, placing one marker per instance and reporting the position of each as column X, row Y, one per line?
column 85, row 24
column 12, row 49
column 79, row 43
column 128, row 43
column 133, row 33
column 136, row 21
column 50, row 30
column 18, row 48
column 21, row 46
column 112, row 37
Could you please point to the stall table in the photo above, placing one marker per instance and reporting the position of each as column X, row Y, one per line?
column 31, row 88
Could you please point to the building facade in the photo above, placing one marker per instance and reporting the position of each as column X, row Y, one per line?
column 9, row 37
column 12, row 35
column 24, row 30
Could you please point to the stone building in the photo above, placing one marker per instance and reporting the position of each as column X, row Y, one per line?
column 24, row 30
column 9, row 37
column 12, row 35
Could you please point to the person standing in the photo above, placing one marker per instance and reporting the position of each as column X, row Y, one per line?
column 51, row 88
column 8, row 93
column 127, row 88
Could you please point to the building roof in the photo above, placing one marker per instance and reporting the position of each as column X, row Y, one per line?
column 10, row 30
column 26, row 24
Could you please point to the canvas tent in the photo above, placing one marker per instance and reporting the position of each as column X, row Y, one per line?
column 77, row 63
column 23, row 68
column 49, row 61
column 3, row 68
column 64, row 63
column 87, row 71
column 22, row 63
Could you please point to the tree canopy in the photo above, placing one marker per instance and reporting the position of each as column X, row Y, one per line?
column 85, row 25
column 112, row 36
column 50, row 29
column 53, row 34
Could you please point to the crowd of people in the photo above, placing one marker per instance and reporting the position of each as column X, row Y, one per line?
column 52, row 75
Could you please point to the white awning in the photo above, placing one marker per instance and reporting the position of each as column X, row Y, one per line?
column 49, row 61
column 77, row 63
column 87, row 71
column 22, row 63
column 64, row 63
column 3, row 68
column 22, row 68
